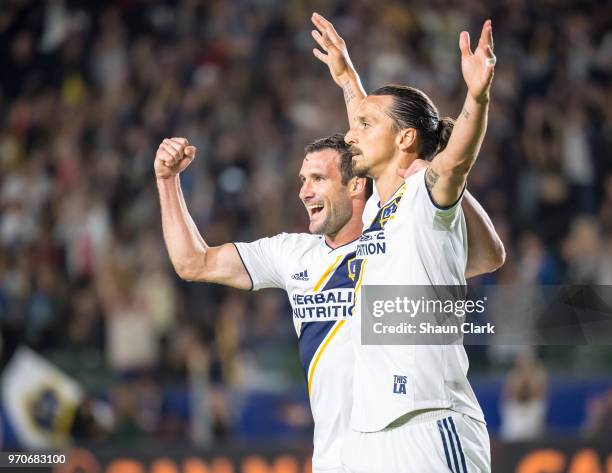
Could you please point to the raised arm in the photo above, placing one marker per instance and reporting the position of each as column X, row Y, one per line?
column 486, row 252
column 336, row 57
column 448, row 172
column 192, row 258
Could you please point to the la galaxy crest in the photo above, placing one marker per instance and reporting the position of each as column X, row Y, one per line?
column 387, row 212
column 373, row 239
column 354, row 268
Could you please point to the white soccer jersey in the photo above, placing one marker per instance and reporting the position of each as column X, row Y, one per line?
column 410, row 242
column 320, row 284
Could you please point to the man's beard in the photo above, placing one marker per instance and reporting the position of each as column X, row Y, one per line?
column 333, row 223
column 326, row 227
column 357, row 171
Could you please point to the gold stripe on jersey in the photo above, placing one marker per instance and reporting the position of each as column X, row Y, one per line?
column 331, row 334
column 326, row 274
column 359, row 281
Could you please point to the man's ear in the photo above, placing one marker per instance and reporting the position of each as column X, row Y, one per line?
column 357, row 186
column 406, row 139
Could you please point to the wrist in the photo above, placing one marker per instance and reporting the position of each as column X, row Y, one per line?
column 481, row 99
column 165, row 181
column 349, row 77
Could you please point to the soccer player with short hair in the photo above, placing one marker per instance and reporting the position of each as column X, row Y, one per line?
column 434, row 423
column 316, row 270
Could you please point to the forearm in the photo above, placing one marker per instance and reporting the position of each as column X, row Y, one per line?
column 447, row 175
column 467, row 136
column 354, row 93
column 486, row 251
column 183, row 240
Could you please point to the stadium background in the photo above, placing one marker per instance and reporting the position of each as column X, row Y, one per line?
column 163, row 368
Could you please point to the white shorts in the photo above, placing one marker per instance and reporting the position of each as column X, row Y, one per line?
column 440, row 441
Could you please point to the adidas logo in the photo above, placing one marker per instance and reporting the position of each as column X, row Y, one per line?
column 301, row 276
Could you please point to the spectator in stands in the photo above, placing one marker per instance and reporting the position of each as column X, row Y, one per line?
column 524, row 399
column 598, row 423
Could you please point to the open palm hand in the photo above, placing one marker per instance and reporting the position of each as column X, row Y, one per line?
column 478, row 66
column 335, row 54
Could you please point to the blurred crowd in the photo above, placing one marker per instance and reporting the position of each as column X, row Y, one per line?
column 88, row 89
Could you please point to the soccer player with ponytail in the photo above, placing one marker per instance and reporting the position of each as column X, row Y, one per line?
column 413, row 407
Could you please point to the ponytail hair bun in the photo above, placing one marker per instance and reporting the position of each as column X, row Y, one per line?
column 444, row 130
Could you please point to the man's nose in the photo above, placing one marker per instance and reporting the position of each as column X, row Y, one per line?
column 349, row 138
column 305, row 190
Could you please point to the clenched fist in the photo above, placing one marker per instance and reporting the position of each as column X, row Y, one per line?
column 172, row 157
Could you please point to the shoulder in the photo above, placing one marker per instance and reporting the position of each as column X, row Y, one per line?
column 416, row 179
column 416, row 187
column 297, row 238
column 299, row 241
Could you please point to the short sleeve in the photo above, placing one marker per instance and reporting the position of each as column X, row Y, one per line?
column 263, row 260
column 442, row 218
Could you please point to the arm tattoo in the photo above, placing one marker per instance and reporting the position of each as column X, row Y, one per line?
column 431, row 177
column 348, row 92
column 465, row 114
